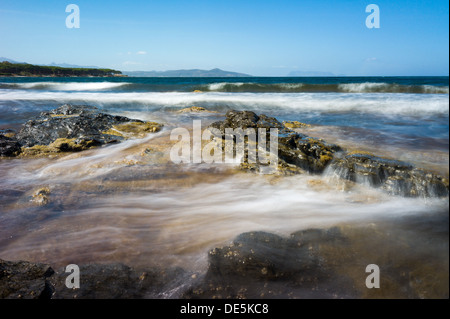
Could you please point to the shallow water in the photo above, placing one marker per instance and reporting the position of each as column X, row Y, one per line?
column 122, row 203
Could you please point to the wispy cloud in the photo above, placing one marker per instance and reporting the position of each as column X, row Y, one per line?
column 141, row 52
column 372, row 59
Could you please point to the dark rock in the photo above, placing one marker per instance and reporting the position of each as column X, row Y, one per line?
column 260, row 255
column 298, row 153
column 294, row 149
column 68, row 122
column 260, row 264
column 71, row 128
column 246, row 119
column 395, row 177
column 310, row 154
column 9, row 146
column 24, row 280
column 110, row 281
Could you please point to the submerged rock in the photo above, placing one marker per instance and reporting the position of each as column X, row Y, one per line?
column 395, row 177
column 41, row 196
column 310, row 154
column 260, row 264
column 73, row 128
column 195, row 109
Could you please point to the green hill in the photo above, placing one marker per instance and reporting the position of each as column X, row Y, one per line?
column 25, row 69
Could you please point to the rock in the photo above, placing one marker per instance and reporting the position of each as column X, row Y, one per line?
column 260, row 264
column 311, row 154
column 73, row 128
column 118, row 281
column 8, row 133
column 9, row 147
column 260, row 255
column 395, row 177
column 246, row 119
column 41, row 196
column 25, row 280
column 297, row 152
column 295, row 124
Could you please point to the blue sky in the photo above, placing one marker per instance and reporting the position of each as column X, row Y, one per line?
column 265, row 38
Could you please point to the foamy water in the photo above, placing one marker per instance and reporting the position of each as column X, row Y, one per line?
column 121, row 204
column 389, row 104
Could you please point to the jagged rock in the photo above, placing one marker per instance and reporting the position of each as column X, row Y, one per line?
column 72, row 128
column 310, row 154
column 297, row 152
column 117, row 281
column 25, row 280
column 395, row 177
column 246, row 119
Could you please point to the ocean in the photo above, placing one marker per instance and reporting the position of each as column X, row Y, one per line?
column 154, row 213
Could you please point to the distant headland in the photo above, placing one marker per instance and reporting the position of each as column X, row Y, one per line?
column 25, row 69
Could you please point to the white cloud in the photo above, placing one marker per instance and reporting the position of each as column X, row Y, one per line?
column 371, row 59
column 141, row 52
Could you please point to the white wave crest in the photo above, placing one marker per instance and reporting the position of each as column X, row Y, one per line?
column 375, row 103
column 371, row 87
column 66, row 86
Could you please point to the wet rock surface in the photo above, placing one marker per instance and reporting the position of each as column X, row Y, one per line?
column 25, row 280
column 265, row 265
column 395, row 177
column 297, row 152
column 72, row 128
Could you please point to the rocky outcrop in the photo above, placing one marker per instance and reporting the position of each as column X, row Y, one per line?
column 296, row 152
column 299, row 153
column 395, row 177
column 246, row 119
column 72, row 128
column 261, row 264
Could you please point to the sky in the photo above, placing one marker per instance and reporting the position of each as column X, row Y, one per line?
column 261, row 38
